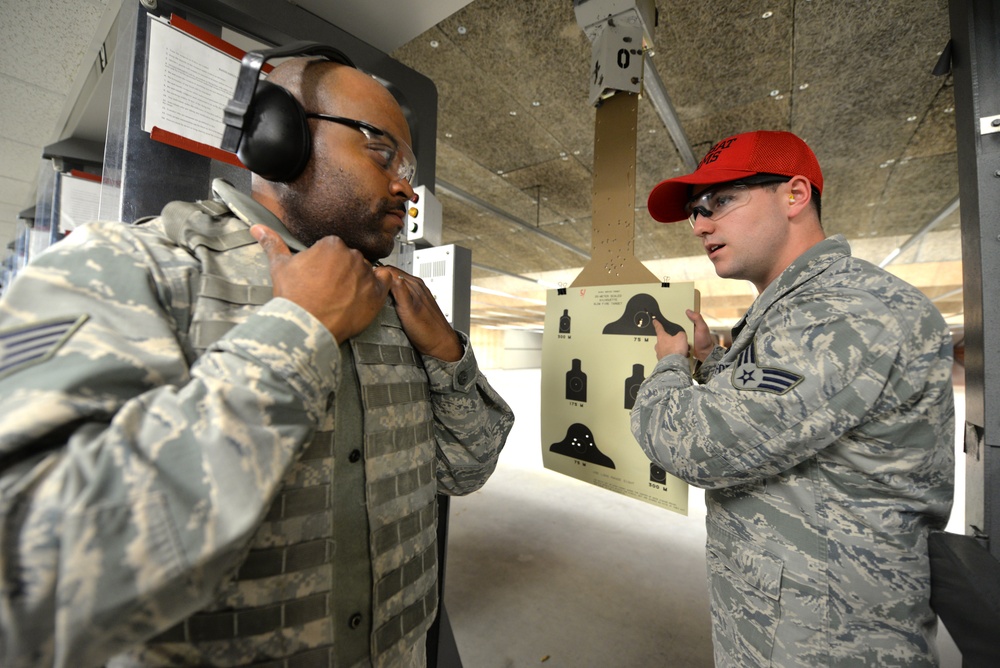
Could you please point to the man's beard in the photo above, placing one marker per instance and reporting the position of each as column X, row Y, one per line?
column 343, row 213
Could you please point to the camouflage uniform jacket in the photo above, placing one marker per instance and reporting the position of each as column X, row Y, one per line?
column 136, row 472
column 824, row 437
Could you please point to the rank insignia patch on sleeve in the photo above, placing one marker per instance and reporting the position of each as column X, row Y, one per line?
column 36, row 342
column 748, row 376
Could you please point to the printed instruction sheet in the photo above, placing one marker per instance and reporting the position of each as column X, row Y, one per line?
column 188, row 84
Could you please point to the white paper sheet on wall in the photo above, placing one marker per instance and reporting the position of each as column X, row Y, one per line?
column 79, row 201
column 188, row 84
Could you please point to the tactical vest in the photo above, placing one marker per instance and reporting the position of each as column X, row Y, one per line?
column 279, row 609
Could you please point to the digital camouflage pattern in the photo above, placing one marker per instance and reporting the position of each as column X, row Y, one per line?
column 142, row 461
column 824, row 438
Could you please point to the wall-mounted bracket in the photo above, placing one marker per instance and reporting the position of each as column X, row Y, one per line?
column 989, row 125
column 620, row 31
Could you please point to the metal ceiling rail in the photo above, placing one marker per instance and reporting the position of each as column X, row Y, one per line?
column 536, row 281
column 472, row 200
column 944, row 213
column 657, row 93
column 950, row 293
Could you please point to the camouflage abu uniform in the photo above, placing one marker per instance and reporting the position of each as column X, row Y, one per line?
column 824, row 437
column 140, row 474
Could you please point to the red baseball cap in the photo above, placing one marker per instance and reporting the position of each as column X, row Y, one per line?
column 737, row 157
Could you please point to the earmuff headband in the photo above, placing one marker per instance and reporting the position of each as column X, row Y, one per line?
column 235, row 114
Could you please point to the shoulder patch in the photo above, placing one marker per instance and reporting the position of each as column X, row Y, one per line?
column 35, row 342
column 748, row 376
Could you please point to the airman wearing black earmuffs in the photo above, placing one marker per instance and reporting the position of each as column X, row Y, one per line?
column 225, row 427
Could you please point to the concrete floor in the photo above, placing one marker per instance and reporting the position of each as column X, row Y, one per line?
column 545, row 570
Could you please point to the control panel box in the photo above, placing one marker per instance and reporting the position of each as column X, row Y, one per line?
column 423, row 220
column 447, row 272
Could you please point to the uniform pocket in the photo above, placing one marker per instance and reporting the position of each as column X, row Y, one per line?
column 745, row 585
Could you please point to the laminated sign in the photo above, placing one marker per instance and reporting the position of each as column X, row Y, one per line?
column 596, row 351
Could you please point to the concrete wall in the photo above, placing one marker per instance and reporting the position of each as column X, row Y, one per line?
column 506, row 348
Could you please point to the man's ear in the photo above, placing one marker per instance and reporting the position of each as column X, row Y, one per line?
column 799, row 194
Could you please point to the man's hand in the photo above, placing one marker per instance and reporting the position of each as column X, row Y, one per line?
column 667, row 344
column 331, row 281
column 677, row 344
column 421, row 317
column 704, row 342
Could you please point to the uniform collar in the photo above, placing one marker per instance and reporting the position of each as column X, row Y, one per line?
column 811, row 263
column 252, row 212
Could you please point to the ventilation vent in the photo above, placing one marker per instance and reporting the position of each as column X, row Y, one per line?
column 434, row 269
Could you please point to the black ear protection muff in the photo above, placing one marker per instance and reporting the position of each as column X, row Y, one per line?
column 266, row 126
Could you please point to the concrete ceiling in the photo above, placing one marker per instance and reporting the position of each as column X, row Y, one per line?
column 516, row 131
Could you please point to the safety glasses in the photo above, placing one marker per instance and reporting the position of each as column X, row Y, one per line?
column 719, row 201
column 394, row 156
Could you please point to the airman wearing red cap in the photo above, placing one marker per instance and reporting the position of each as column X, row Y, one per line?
column 824, row 435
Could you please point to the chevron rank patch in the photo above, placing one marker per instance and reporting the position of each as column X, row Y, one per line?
column 35, row 342
column 748, row 376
